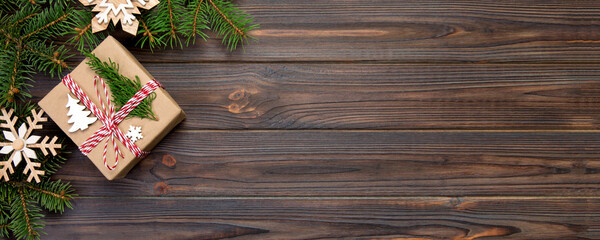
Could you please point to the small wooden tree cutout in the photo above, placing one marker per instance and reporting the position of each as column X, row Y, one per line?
column 79, row 117
column 21, row 142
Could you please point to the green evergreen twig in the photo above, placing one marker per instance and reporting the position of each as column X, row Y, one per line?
column 25, row 31
column 21, row 202
column 122, row 88
column 171, row 20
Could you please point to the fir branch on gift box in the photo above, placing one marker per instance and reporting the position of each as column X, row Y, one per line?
column 122, row 88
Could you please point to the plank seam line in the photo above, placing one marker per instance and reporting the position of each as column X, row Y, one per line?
column 483, row 62
column 346, row 198
column 394, row 130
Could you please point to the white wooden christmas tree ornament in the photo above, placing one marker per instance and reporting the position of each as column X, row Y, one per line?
column 20, row 143
column 118, row 10
column 79, row 117
column 134, row 133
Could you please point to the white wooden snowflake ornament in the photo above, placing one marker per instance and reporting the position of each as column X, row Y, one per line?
column 79, row 117
column 117, row 10
column 20, row 143
column 134, row 133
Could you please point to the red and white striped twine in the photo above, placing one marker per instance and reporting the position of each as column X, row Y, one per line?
column 109, row 118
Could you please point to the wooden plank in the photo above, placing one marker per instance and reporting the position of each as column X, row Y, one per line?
column 408, row 31
column 380, row 96
column 355, row 163
column 332, row 218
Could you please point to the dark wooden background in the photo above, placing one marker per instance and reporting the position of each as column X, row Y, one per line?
column 360, row 119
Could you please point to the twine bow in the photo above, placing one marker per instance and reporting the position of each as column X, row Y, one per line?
column 110, row 120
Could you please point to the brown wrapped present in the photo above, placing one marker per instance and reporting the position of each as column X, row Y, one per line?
column 168, row 113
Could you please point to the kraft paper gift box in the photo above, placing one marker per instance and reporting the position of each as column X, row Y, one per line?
column 168, row 113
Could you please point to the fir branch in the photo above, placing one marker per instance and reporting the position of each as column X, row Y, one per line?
column 55, row 24
column 47, row 58
column 4, row 217
column 14, row 75
column 26, row 32
column 20, row 201
column 230, row 23
column 56, row 195
column 149, row 35
column 20, row 16
column 81, row 30
column 195, row 21
column 26, row 218
column 16, row 65
column 26, row 213
column 52, row 195
column 121, row 87
column 23, row 19
column 9, row 38
column 162, row 25
column 147, row 31
column 171, row 18
column 227, row 19
column 170, row 10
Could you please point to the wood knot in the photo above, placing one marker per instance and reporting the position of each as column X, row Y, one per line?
column 161, row 188
column 237, row 95
column 241, row 98
column 169, row 161
column 234, row 108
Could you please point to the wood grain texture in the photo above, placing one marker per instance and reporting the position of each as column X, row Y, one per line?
column 358, row 119
column 355, row 163
column 409, row 31
column 362, row 218
column 381, row 96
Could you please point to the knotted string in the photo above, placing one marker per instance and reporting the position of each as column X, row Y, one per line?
column 109, row 118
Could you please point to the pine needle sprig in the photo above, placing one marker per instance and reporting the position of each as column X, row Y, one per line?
column 4, row 217
column 26, row 30
column 48, row 58
column 172, row 20
column 150, row 34
column 81, row 30
column 171, row 11
column 21, row 202
column 160, row 26
column 54, row 196
column 15, row 76
column 49, row 23
column 26, row 217
column 19, row 210
column 122, row 88
column 195, row 21
column 229, row 22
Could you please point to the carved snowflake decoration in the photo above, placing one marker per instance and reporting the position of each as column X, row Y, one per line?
column 134, row 133
column 117, row 10
column 20, row 143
